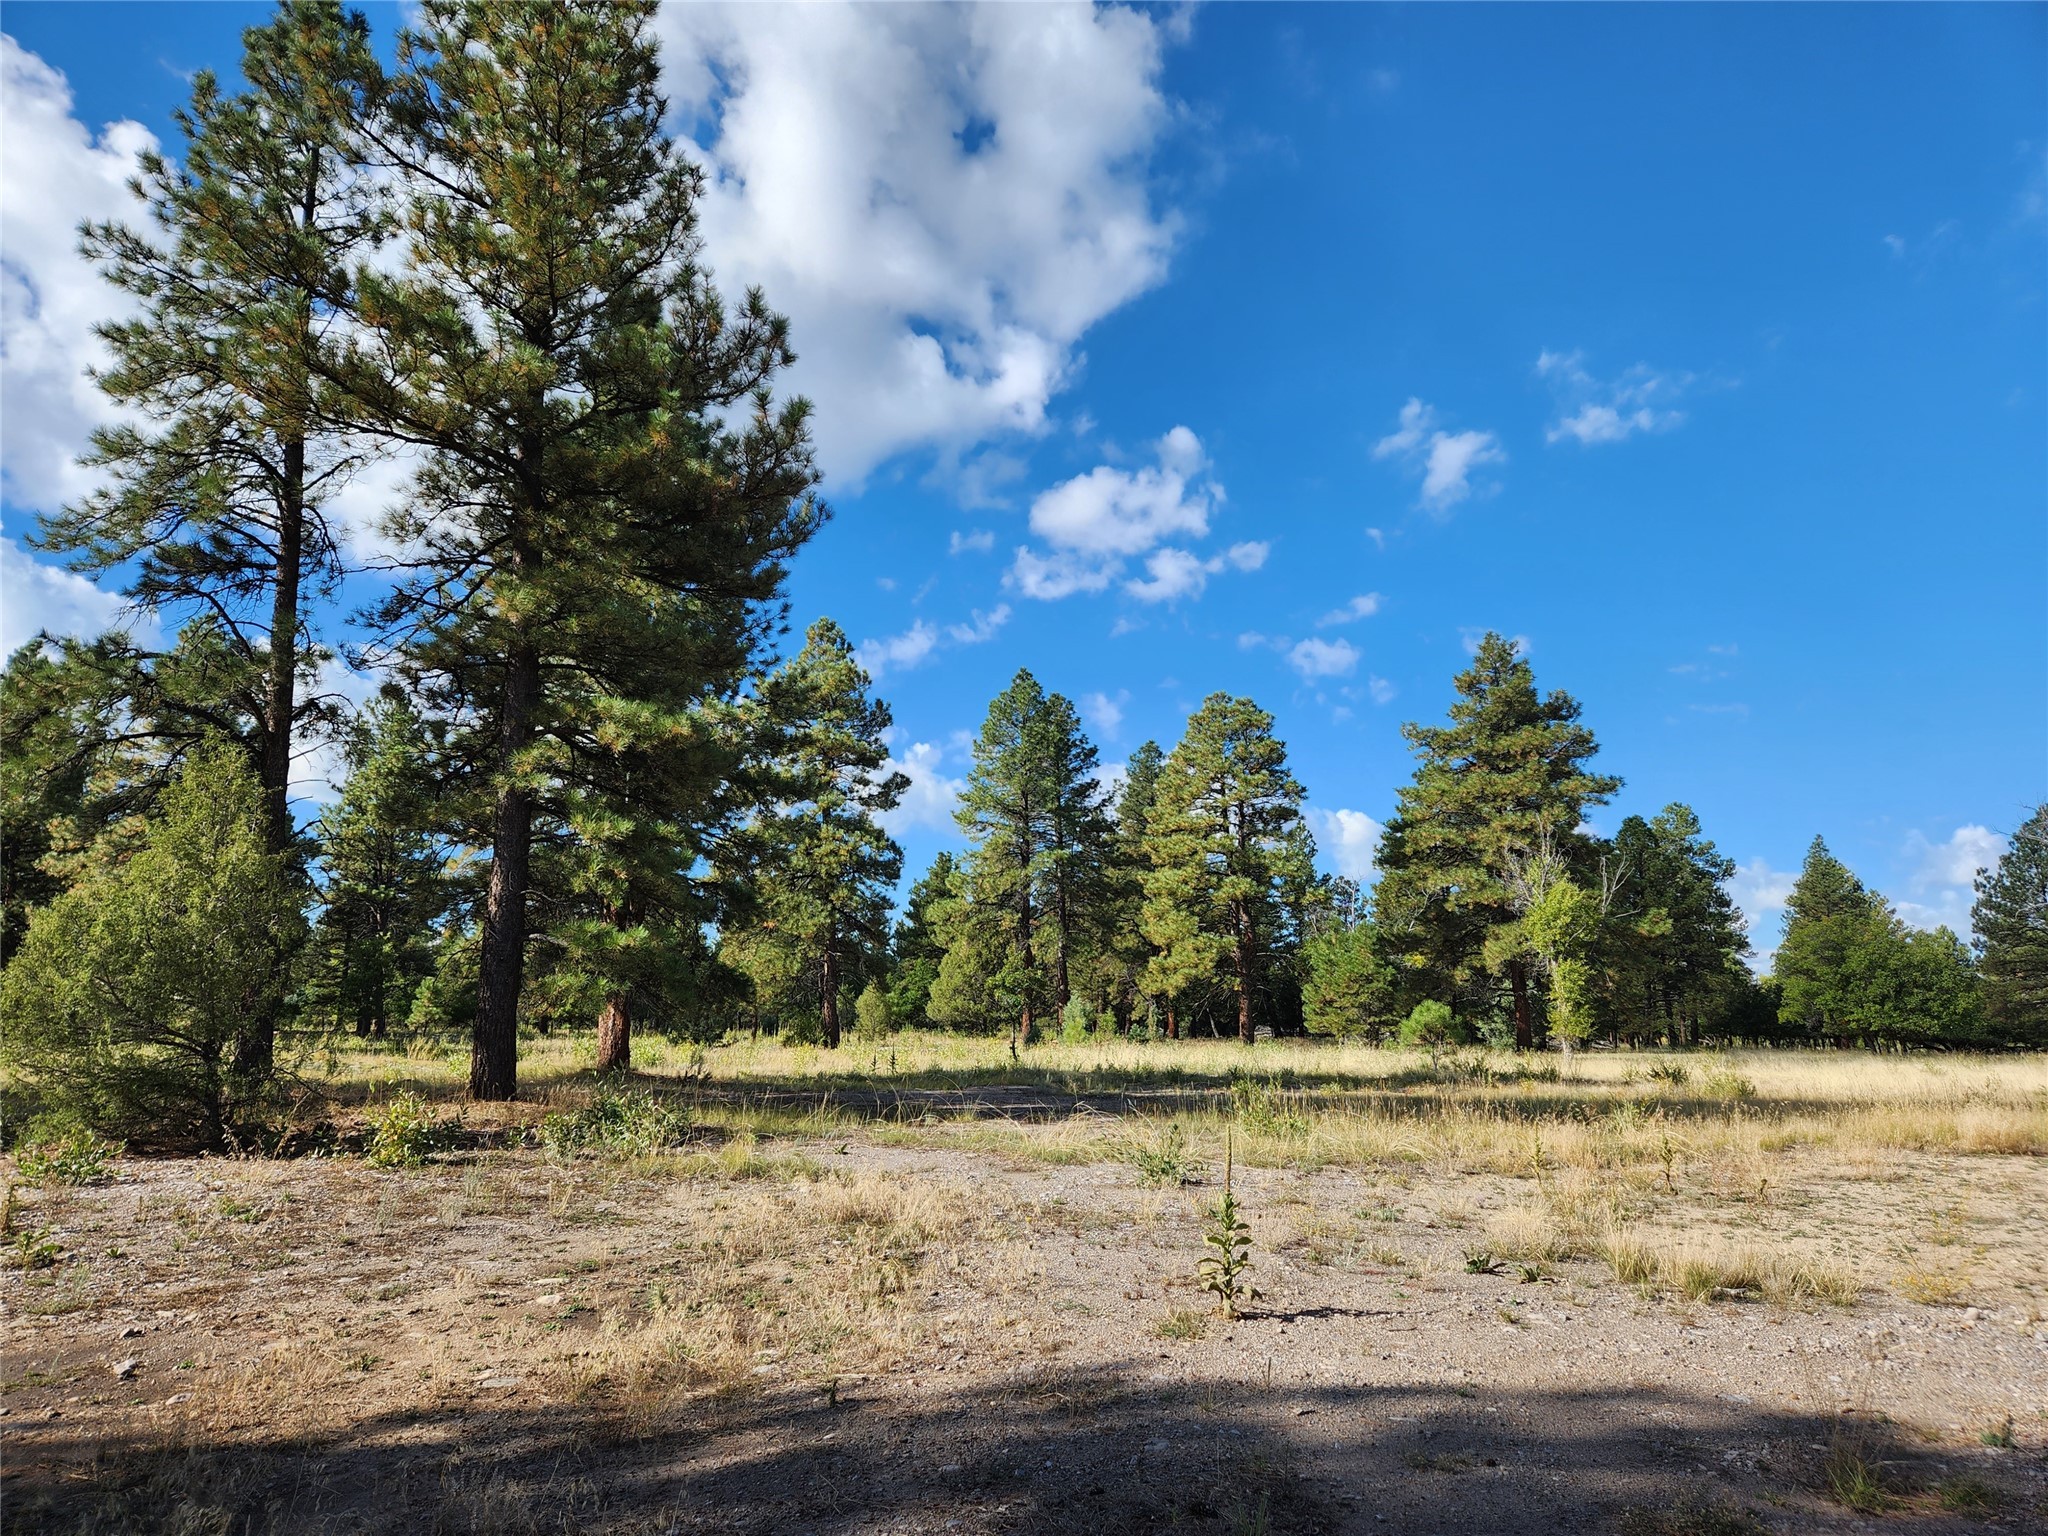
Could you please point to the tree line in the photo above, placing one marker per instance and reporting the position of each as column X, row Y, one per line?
column 590, row 791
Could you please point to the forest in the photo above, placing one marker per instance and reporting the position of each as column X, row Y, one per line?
column 592, row 792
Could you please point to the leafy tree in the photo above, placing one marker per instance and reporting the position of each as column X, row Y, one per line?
column 1828, row 915
column 823, row 863
column 1507, row 775
column 609, row 492
column 215, row 507
column 384, row 891
column 130, row 992
column 1225, row 837
column 1911, row 988
column 1349, row 989
column 2011, row 922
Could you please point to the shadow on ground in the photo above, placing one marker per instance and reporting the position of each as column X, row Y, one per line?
column 1105, row 1451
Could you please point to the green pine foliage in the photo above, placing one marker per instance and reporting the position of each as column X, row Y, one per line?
column 1348, row 990
column 1224, row 843
column 2011, row 922
column 129, row 994
column 1507, row 779
column 610, row 491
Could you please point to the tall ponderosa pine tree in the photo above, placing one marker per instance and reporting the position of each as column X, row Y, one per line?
column 588, row 530
column 1224, row 842
column 1125, row 949
column 916, row 946
column 1505, row 777
column 1034, row 810
column 2011, row 923
column 216, row 505
column 823, row 865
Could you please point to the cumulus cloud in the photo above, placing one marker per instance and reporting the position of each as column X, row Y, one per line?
column 1096, row 523
column 898, row 653
column 1761, row 892
column 1381, row 690
column 1593, row 410
column 1350, row 839
column 35, row 598
column 942, row 199
column 1944, row 874
column 54, row 172
column 1323, row 658
column 1363, row 606
column 1445, row 461
column 932, row 794
column 1106, row 714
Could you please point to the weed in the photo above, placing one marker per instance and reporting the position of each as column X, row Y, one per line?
column 405, row 1133
column 1222, row 1273
column 1674, row 1073
column 1480, row 1261
column 629, row 1122
column 33, row 1246
column 1181, row 1324
column 1168, row 1161
column 2000, row 1436
column 61, row 1149
column 1856, row 1479
column 1967, row 1494
column 1728, row 1085
column 1930, row 1287
column 1257, row 1105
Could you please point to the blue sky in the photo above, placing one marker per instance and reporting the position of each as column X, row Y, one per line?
column 1284, row 350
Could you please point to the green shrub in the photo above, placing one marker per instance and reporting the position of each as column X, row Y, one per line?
column 60, row 1148
column 871, row 1018
column 630, row 1122
column 1260, row 1106
column 1726, row 1083
column 1077, row 1021
column 1169, row 1161
column 132, row 992
column 1432, row 1026
column 406, row 1132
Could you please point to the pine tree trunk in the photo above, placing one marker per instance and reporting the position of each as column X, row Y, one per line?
column 494, row 1048
column 1518, row 982
column 828, row 981
column 1172, row 1023
column 1060, row 990
column 615, row 1034
column 1243, row 947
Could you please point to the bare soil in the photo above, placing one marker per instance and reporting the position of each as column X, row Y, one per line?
column 867, row 1336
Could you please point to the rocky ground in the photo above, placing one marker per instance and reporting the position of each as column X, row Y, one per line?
column 858, row 1336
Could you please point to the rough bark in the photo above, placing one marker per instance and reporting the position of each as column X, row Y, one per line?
column 494, row 1047
column 1518, row 982
column 615, row 1034
column 828, row 984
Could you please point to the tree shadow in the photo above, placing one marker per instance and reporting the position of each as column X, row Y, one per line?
column 1114, row 1449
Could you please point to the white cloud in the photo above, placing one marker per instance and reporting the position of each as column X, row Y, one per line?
column 1113, row 512
column 1097, row 522
column 930, row 799
column 1761, row 892
column 1363, row 606
column 54, row 173
column 1943, row 879
column 984, row 627
column 1381, row 690
column 1351, row 839
column 978, row 542
column 1323, row 658
column 943, row 200
column 1445, row 460
column 1956, row 861
column 1106, row 714
column 897, row 653
column 36, row 597
column 1592, row 410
